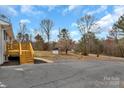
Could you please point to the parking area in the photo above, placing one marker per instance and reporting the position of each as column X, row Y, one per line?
column 66, row 74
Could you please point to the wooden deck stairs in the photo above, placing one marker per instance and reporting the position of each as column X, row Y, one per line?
column 22, row 50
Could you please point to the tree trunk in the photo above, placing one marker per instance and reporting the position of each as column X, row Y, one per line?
column 66, row 51
column 85, row 47
column 121, row 50
column 97, row 51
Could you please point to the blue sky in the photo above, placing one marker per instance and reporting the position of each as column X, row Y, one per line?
column 62, row 16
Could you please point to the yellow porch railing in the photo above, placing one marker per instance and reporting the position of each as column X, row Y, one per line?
column 23, row 50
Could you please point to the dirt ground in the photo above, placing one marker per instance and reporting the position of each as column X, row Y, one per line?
column 92, row 57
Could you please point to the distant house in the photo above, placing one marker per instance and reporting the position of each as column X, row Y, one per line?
column 6, row 35
column 55, row 51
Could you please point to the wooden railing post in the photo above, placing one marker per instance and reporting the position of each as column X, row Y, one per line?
column 31, row 48
column 6, row 48
column 20, row 49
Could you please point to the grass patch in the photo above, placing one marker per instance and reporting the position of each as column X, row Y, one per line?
column 92, row 57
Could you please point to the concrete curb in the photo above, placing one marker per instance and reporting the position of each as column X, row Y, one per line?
column 42, row 59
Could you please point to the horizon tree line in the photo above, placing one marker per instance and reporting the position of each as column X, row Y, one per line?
column 88, row 43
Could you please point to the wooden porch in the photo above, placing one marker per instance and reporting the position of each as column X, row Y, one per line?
column 23, row 50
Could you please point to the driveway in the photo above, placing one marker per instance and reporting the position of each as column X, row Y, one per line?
column 61, row 75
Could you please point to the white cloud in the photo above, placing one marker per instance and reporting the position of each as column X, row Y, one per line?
column 10, row 10
column 75, row 35
column 25, row 21
column 118, row 10
column 30, row 9
column 105, row 21
column 74, row 25
column 54, row 34
column 99, row 10
column 72, row 7
column 35, row 31
column 69, row 9
column 51, row 7
column 108, row 20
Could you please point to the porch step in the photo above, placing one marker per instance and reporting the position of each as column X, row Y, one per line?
column 23, row 50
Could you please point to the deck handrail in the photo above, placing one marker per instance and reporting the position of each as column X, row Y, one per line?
column 20, row 48
column 6, row 46
column 31, row 48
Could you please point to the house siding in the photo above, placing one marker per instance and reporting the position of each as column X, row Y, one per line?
column 2, row 46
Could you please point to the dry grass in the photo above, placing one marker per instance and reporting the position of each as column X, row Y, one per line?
column 91, row 57
column 50, row 56
column 44, row 54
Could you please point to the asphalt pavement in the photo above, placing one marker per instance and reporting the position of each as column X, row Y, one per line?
column 63, row 75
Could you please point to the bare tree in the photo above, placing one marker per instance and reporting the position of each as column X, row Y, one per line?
column 120, row 25
column 87, row 24
column 39, row 42
column 22, row 35
column 117, row 33
column 46, row 27
column 64, row 42
column 114, row 33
